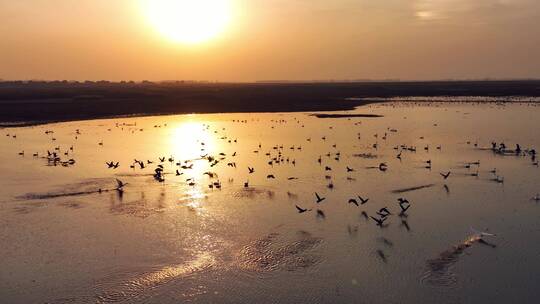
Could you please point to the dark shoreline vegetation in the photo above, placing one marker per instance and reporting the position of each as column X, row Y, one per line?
column 34, row 102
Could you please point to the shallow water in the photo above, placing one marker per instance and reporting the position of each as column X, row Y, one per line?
column 64, row 241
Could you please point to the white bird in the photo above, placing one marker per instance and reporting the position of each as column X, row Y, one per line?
column 481, row 233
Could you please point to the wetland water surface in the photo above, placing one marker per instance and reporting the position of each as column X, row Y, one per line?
column 206, row 230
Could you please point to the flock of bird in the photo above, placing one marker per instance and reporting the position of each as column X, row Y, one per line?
column 277, row 155
column 53, row 157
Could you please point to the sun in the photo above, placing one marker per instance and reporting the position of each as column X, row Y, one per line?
column 188, row 21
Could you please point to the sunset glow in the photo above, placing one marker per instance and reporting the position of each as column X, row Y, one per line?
column 269, row 151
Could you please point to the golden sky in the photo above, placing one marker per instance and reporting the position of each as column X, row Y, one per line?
column 274, row 40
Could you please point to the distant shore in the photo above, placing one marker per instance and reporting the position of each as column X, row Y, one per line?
column 27, row 103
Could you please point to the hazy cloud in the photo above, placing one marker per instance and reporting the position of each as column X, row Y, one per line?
column 476, row 11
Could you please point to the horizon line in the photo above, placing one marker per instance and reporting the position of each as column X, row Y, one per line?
column 269, row 81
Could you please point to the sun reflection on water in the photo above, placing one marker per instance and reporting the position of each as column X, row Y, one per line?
column 196, row 195
column 190, row 142
column 192, row 139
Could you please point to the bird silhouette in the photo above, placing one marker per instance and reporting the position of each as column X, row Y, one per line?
column 404, row 209
column 120, row 184
column 383, row 212
column 379, row 221
column 445, row 175
column 402, row 201
column 113, row 165
column 319, row 198
column 301, row 210
column 362, row 200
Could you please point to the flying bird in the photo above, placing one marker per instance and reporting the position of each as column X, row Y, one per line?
column 380, row 221
column 319, row 198
column 445, row 175
column 383, row 212
column 362, row 200
column 404, row 209
column 302, row 210
column 120, row 184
